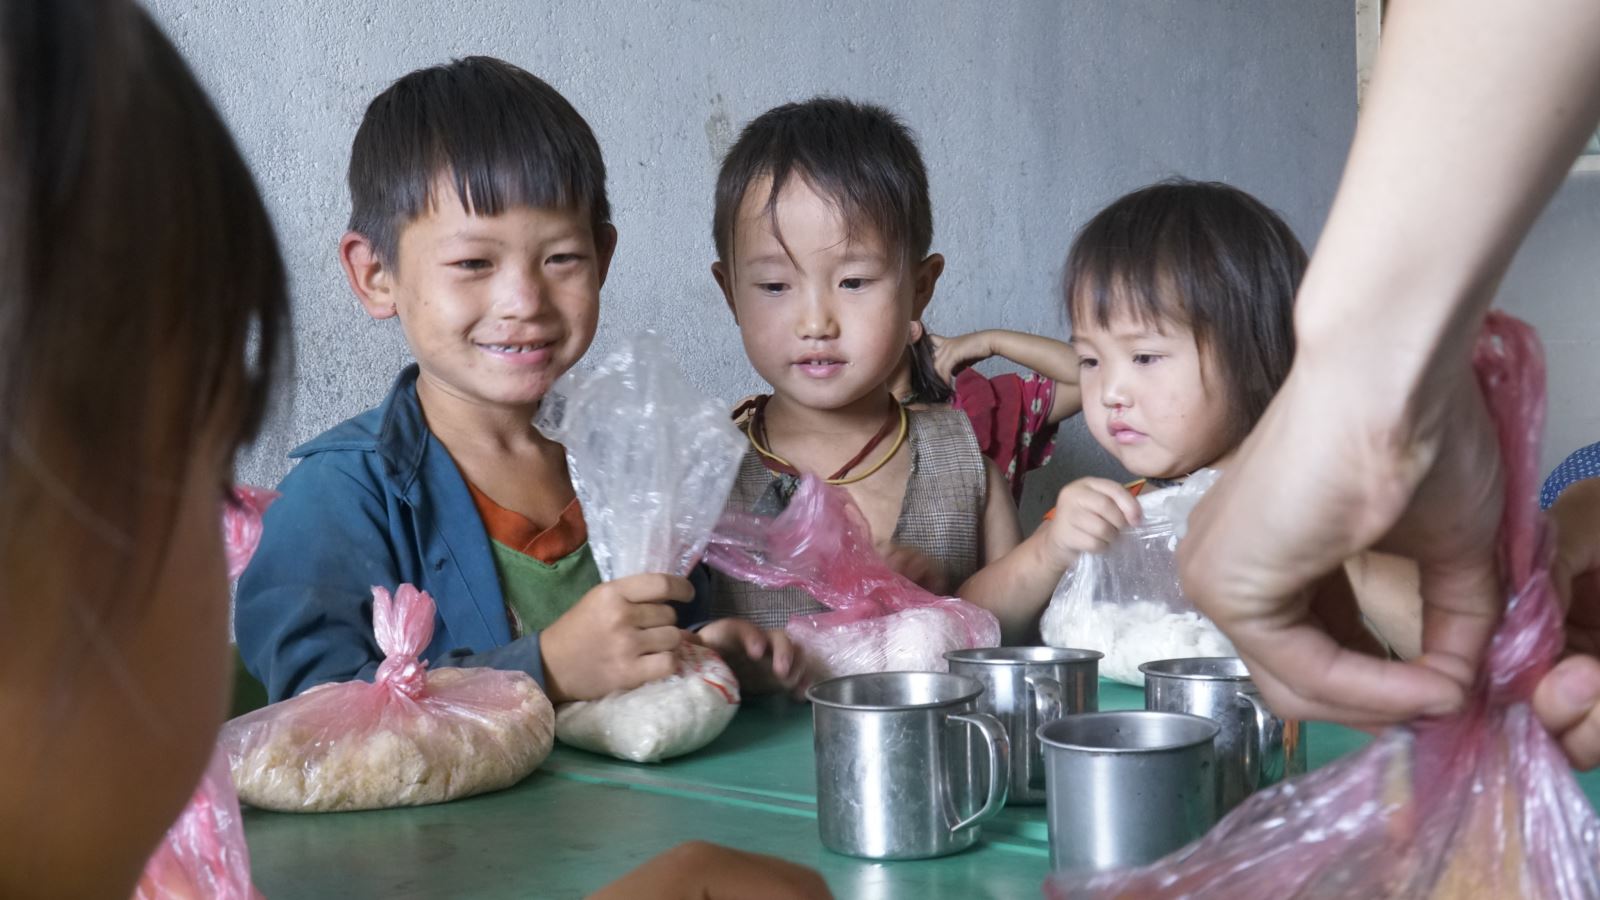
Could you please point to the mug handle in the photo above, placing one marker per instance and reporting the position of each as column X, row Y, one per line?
column 1047, row 699
column 999, row 766
column 1264, row 758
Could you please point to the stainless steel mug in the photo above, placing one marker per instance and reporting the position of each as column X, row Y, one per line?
column 1255, row 748
column 1128, row 787
column 1025, row 687
column 906, row 765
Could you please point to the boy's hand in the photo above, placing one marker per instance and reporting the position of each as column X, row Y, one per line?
column 619, row 636
column 765, row 662
column 1089, row 514
column 952, row 354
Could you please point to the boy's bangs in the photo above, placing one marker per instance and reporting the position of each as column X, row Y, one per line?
column 488, row 180
column 496, row 135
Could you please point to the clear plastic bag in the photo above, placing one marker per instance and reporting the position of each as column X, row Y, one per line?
column 879, row 620
column 241, row 525
column 659, row 720
column 652, row 458
column 1127, row 602
column 409, row 737
column 653, row 461
column 1482, row 804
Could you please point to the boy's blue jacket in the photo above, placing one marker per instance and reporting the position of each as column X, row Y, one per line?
column 376, row 500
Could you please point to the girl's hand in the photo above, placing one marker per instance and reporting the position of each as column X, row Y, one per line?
column 952, row 354
column 918, row 567
column 1089, row 514
column 765, row 662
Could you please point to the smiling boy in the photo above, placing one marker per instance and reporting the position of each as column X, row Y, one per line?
column 479, row 221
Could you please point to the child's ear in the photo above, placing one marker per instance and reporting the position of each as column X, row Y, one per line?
column 605, row 244
column 367, row 274
column 926, row 276
column 917, row 331
column 725, row 281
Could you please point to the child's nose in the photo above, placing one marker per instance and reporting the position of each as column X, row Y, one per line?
column 1114, row 393
column 521, row 297
column 817, row 321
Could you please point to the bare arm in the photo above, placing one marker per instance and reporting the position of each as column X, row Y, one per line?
column 1017, row 586
column 1476, row 111
column 1088, row 516
column 1051, row 358
column 1001, row 530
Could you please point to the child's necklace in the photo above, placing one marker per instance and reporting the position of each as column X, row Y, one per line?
column 757, row 432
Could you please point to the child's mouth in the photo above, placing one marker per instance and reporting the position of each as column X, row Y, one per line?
column 1122, row 434
column 820, row 368
column 524, row 354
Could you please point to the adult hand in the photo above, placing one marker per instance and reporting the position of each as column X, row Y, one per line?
column 1338, row 465
column 1567, row 701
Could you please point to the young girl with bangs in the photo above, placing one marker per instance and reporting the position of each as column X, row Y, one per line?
column 1181, row 298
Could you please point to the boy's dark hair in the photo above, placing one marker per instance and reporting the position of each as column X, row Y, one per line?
column 1205, row 254
column 505, row 137
column 859, row 156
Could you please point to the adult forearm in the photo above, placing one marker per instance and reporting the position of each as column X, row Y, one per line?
column 1476, row 111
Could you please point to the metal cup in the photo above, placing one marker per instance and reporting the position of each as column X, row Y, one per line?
column 1025, row 687
column 901, row 764
column 1126, row 788
column 1254, row 748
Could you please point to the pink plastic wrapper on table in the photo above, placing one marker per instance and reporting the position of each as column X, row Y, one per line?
column 241, row 525
column 203, row 855
column 1482, row 804
column 880, row 621
column 410, row 736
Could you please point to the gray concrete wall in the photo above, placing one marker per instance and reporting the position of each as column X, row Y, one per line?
column 1555, row 284
column 1032, row 114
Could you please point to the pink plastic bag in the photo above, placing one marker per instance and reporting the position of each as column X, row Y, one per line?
column 1479, row 805
column 241, row 525
column 203, row 855
column 409, row 737
column 881, row 621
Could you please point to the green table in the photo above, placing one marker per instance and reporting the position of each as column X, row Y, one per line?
column 582, row 820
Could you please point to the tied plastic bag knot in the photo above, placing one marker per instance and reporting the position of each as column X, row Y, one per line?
column 403, row 625
column 879, row 620
column 1480, row 804
column 404, row 675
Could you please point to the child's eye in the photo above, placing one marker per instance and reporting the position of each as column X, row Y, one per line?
column 1145, row 359
column 853, row 284
column 771, row 287
column 471, row 265
column 563, row 258
column 1087, row 362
